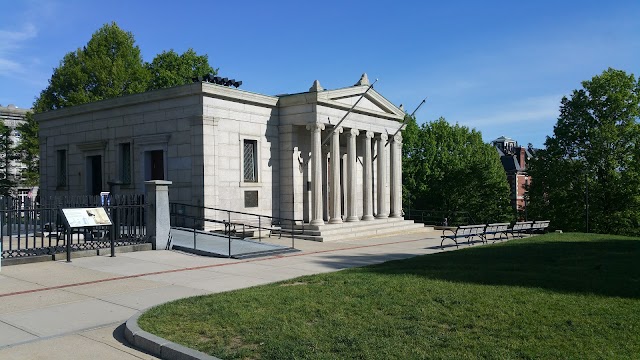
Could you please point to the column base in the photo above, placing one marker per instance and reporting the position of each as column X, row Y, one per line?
column 368, row 218
column 395, row 215
column 335, row 221
column 316, row 222
column 352, row 219
column 382, row 216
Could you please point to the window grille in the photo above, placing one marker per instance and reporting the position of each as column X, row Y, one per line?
column 250, row 161
column 125, row 163
column 62, row 168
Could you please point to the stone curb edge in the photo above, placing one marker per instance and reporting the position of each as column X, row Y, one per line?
column 158, row 346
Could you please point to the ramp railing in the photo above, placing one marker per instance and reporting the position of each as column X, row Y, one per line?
column 232, row 224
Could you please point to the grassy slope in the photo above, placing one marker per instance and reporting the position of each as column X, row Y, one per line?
column 553, row 296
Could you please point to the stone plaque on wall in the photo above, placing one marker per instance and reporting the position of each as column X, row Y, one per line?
column 251, row 198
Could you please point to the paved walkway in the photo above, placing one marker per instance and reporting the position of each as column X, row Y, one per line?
column 59, row 310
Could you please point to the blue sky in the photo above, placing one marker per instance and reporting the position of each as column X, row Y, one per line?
column 500, row 67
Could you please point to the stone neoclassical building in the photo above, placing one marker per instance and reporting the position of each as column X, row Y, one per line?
column 227, row 148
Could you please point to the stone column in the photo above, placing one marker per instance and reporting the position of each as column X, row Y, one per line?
column 336, row 208
column 396, row 176
column 352, row 197
column 383, row 211
column 316, row 173
column 157, row 214
column 367, row 178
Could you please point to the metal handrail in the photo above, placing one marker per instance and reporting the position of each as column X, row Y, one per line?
column 438, row 217
column 230, row 226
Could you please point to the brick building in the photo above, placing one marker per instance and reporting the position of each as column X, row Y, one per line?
column 514, row 160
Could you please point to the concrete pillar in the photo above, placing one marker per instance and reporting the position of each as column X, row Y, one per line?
column 396, row 176
column 158, row 222
column 352, row 214
column 383, row 196
column 336, row 208
column 367, row 178
column 316, row 173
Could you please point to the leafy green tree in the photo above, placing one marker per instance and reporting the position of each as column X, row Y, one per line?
column 7, row 155
column 110, row 65
column 28, row 150
column 593, row 159
column 449, row 168
column 170, row 69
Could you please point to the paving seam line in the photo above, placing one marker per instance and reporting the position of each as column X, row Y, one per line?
column 68, row 333
column 202, row 267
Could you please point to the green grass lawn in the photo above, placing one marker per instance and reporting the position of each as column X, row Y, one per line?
column 556, row 296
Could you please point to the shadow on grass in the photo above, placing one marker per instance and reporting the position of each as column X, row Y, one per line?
column 578, row 263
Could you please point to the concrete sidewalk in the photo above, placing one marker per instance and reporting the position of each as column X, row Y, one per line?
column 59, row 310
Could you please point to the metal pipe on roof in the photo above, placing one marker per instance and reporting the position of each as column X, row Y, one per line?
column 345, row 115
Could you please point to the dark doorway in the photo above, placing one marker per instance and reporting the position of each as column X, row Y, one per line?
column 94, row 174
column 154, row 169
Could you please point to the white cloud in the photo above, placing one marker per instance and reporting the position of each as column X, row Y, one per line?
column 540, row 108
column 10, row 44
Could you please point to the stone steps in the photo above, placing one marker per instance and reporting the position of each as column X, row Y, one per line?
column 359, row 229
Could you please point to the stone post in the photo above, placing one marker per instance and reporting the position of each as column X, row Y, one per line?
column 158, row 223
column 336, row 208
column 352, row 197
column 367, row 177
column 383, row 196
column 316, row 173
column 396, row 176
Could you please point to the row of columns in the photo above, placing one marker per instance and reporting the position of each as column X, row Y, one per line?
column 351, row 209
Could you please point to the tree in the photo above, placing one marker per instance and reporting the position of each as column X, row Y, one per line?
column 7, row 156
column 592, row 161
column 449, row 168
column 28, row 150
column 110, row 65
column 170, row 69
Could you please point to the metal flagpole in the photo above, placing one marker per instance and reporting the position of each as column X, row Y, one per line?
column 348, row 112
column 404, row 121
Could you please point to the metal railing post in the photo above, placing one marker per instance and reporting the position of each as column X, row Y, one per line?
column 259, row 228
column 114, row 226
column 69, row 245
column 229, row 234
column 293, row 243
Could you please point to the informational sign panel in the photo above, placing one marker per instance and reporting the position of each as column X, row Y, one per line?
column 86, row 217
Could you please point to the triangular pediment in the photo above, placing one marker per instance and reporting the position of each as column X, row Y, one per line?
column 371, row 102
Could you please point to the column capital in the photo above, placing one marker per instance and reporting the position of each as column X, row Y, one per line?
column 338, row 130
column 315, row 126
column 383, row 137
column 397, row 138
column 354, row 132
column 370, row 134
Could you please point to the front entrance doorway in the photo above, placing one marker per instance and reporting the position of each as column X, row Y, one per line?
column 154, row 165
column 94, row 174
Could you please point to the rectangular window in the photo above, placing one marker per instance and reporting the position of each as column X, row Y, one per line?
column 250, row 164
column 125, row 163
column 61, row 161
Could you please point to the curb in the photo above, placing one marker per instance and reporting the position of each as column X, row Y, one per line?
column 158, row 346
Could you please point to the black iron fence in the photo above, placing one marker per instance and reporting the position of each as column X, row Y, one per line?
column 233, row 224
column 439, row 217
column 29, row 228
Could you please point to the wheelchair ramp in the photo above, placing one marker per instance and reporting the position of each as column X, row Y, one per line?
column 217, row 245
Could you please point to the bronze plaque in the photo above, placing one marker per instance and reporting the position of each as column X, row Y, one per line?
column 251, row 198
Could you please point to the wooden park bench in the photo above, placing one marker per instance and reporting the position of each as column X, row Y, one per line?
column 496, row 231
column 540, row 226
column 467, row 232
column 520, row 228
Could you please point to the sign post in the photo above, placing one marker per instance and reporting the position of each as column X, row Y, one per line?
column 82, row 218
